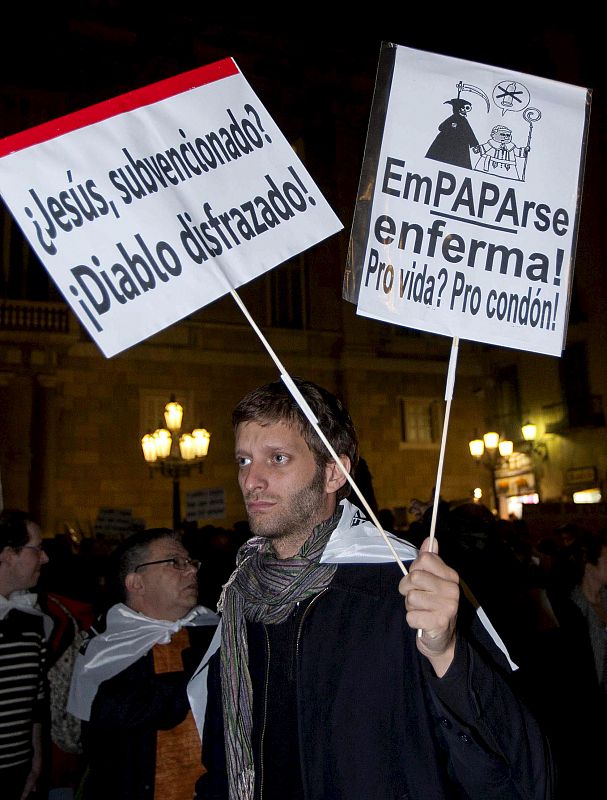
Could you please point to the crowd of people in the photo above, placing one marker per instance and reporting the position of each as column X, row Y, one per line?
column 290, row 658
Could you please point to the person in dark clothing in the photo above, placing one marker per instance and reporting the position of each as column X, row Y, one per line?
column 576, row 657
column 130, row 683
column 322, row 687
column 531, row 606
column 23, row 688
column 455, row 137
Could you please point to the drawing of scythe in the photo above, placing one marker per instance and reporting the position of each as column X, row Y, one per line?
column 466, row 87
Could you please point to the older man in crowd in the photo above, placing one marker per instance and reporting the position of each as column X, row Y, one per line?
column 130, row 684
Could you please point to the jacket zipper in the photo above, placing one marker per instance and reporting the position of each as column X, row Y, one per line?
column 265, row 697
column 301, row 622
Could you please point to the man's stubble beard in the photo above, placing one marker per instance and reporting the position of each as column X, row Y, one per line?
column 300, row 514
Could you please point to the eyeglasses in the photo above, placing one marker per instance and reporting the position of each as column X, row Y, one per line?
column 38, row 547
column 177, row 562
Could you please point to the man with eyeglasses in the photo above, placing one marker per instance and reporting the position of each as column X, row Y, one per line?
column 130, row 683
column 23, row 697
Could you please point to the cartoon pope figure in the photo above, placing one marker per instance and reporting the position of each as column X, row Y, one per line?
column 498, row 155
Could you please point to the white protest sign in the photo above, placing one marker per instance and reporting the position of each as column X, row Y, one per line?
column 151, row 205
column 205, row 504
column 114, row 521
column 468, row 205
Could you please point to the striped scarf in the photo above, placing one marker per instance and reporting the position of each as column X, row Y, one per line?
column 263, row 588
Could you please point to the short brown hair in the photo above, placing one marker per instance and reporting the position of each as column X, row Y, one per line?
column 274, row 403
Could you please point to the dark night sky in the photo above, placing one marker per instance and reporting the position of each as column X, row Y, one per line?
column 300, row 66
column 301, row 63
column 112, row 46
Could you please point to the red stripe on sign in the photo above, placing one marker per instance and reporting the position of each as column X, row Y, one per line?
column 119, row 105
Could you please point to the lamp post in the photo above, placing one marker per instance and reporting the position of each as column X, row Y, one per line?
column 174, row 453
column 537, row 447
column 489, row 450
column 536, row 451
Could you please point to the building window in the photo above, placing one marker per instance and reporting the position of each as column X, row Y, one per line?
column 584, row 410
column 287, row 289
column 420, row 421
column 22, row 276
column 507, row 417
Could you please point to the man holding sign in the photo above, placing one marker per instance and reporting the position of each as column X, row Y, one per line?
column 322, row 687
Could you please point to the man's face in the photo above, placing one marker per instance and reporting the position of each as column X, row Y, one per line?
column 502, row 135
column 25, row 563
column 166, row 592
column 284, row 490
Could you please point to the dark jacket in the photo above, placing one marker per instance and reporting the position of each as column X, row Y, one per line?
column 128, row 710
column 373, row 719
column 560, row 678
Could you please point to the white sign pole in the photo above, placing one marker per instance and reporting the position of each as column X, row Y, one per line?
column 441, row 458
column 303, row 404
column 443, row 444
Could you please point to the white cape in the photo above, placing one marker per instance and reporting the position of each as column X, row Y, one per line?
column 356, row 540
column 128, row 636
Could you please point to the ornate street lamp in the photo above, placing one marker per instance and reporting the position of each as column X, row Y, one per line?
column 536, row 447
column 489, row 446
column 174, row 453
column 489, row 450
